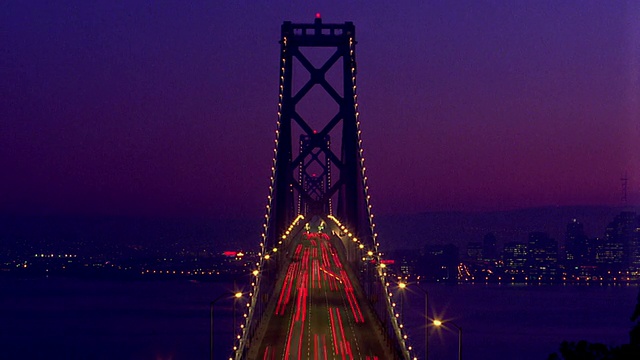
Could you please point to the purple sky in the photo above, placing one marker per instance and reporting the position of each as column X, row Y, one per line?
column 146, row 108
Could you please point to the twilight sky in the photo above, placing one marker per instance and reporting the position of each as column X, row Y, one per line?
column 169, row 108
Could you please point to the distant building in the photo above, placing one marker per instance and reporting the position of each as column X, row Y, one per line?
column 542, row 257
column 440, row 263
column 474, row 251
column 405, row 261
column 515, row 258
column 490, row 247
column 620, row 248
column 579, row 249
column 609, row 254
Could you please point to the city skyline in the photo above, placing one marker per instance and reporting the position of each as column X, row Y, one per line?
column 169, row 109
column 533, row 255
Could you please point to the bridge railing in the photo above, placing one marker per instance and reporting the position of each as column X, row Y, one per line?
column 374, row 282
column 265, row 275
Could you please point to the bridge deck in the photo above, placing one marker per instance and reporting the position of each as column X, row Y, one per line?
column 318, row 313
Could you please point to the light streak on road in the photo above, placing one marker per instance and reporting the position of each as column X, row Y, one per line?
column 318, row 313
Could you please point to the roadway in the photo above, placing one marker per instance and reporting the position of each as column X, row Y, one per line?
column 318, row 313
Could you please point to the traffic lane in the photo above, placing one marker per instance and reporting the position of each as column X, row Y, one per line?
column 341, row 315
column 318, row 313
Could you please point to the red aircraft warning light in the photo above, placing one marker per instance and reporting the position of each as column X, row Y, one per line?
column 318, row 15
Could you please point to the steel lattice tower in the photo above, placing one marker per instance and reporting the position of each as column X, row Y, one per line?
column 350, row 183
column 316, row 185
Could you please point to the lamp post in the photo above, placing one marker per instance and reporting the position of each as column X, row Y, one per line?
column 212, row 327
column 426, row 322
column 440, row 323
column 402, row 286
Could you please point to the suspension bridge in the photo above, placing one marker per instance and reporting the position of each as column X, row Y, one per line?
column 319, row 290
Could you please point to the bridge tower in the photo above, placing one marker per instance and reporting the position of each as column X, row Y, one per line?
column 316, row 185
column 313, row 179
column 348, row 187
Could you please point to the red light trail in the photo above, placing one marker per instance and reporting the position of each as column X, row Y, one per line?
column 326, row 320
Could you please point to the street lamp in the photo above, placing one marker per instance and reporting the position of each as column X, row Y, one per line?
column 440, row 323
column 227, row 295
column 403, row 285
column 236, row 296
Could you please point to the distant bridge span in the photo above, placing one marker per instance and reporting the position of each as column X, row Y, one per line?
column 320, row 289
